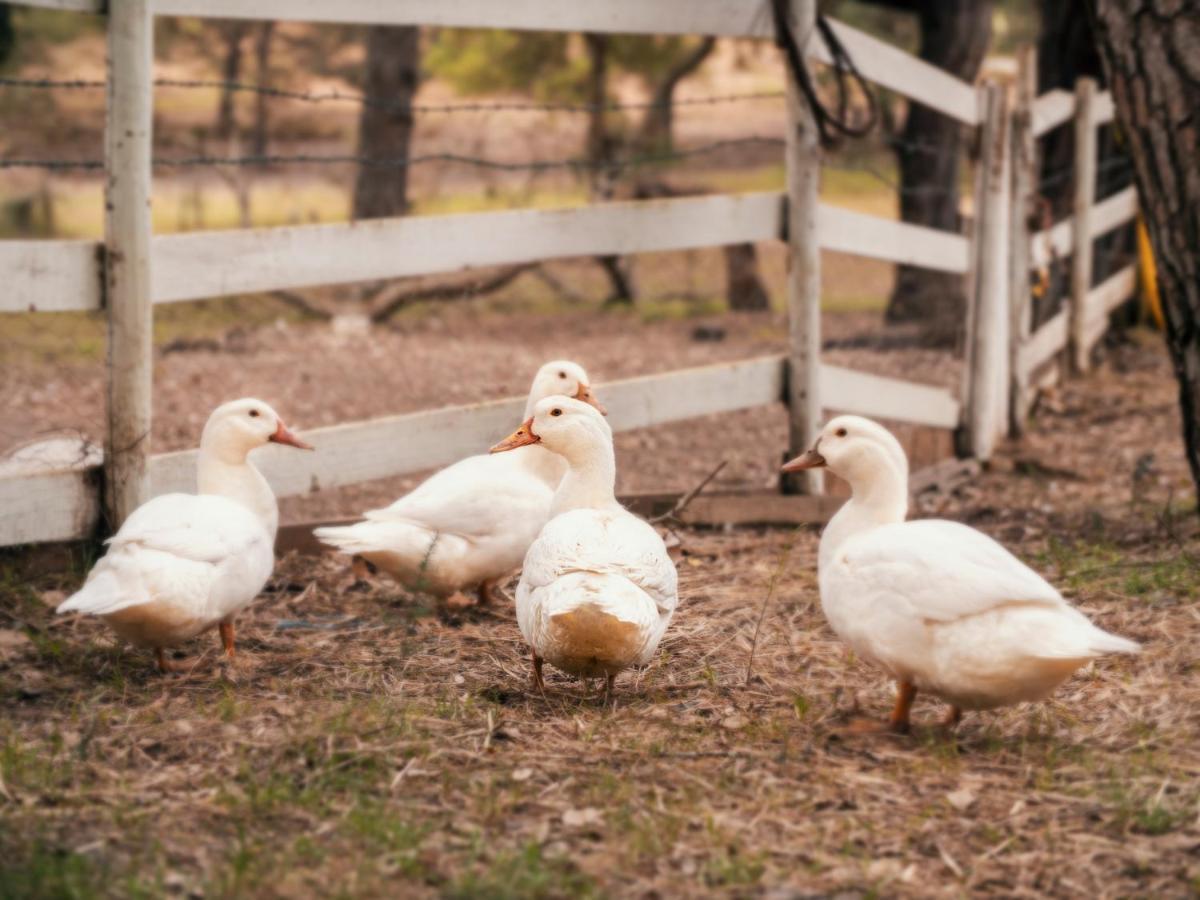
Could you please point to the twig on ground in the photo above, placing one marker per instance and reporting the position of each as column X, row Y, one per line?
column 682, row 503
column 762, row 613
column 395, row 301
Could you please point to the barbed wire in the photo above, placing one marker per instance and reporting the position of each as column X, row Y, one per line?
column 405, row 162
column 335, row 96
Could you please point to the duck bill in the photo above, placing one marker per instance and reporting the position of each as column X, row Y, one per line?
column 522, row 437
column 283, row 436
column 810, row 460
column 585, row 394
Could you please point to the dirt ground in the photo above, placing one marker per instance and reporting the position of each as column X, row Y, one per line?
column 367, row 744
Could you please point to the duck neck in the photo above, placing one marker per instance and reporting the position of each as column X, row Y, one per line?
column 879, row 498
column 228, row 473
column 590, row 482
column 542, row 463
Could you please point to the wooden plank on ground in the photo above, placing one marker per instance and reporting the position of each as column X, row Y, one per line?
column 847, row 231
column 877, row 396
column 729, row 18
column 62, row 505
column 49, row 506
column 397, row 445
column 50, row 276
column 1052, row 109
column 217, row 263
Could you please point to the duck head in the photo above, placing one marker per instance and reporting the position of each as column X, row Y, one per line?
column 237, row 427
column 571, row 428
column 860, row 451
column 562, row 377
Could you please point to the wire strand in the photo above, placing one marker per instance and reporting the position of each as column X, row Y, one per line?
column 335, row 96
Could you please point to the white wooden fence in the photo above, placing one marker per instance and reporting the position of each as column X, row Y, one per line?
column 131, row 269
column 1065, row 342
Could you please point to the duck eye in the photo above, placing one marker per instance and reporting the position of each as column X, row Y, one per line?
column 562, row 374
column 254, row 413
column 556, row 412
column 841, row 432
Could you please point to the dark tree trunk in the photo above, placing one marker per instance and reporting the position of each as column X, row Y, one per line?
column 743, row 288
column 1151, row 55
column 954, row 36
column 385, row 131
column 231, row 70
column 601, row 148
column 8, row 37
column 262, row 59
column 656, row 134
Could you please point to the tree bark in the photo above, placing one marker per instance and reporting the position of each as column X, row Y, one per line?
column 657, row 129
column 954, row 36
column 386, row 123
column 600, row 150
column 8, row 37
column 1150, row 50
column 262, row 58
column 231, row 70
column 743, row 287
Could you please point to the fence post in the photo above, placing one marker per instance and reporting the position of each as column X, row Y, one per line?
column 987, row 381
column 1081, row 211
column 127, row 230
column 804, row 266
column 1024, row 186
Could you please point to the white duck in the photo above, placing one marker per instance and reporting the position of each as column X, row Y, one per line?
column 469, row 525
column 598, row 589
column 183, row 563
column 939, row 606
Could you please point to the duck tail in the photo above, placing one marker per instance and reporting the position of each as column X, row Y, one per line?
column 102, row 594
column 1105, row 642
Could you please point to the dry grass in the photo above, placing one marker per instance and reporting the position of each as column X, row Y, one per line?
column 366, row 744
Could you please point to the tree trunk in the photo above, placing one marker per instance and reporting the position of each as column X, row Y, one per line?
column 954, row 36
column 262, row 58
column 8, row 37
column 743, row 288
column 386, row 124
column 600, row 150
column 231, row 70
column 656, row 134
column 1150, row 52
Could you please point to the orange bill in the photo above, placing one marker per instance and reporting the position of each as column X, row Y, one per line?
column 283, row 436
column 585, row 394
column 810, row 460
column 519, row 438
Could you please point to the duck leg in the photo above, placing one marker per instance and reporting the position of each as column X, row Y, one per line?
column 905, row 694
column 160, row 659
column 538, row 681
column 226, row 629
column 953, row 716
column 608, row 688
column 487, row 592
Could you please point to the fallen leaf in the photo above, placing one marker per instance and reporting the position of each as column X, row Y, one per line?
column 522, row 774
column 582, row 818
column 734, row 722
column 961, row 799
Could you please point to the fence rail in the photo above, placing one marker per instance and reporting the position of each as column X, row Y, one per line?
column 57, row 276
column 1039, row 356
column 61, row 275
column 59, row 506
